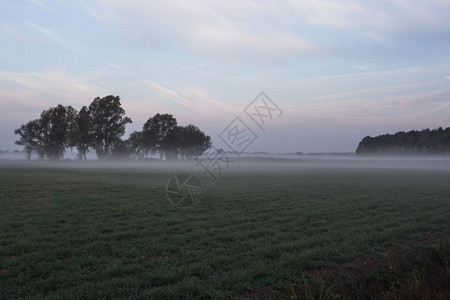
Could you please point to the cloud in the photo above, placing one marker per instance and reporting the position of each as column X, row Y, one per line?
column 193, row 98
column 361, row 67
column 26, row 94
column 378, row 106
column 190, row 68
column 35, row 91
column 273, row 31
column 120, row 69
column 8, row 30
column 170, row 94
column 19, row 105
column 378, row 18
column 395, row 95
column 41, row 5
column 336, row 14
column 54, row 85
column 235, row 30
column 64, row 42
column 208, row 103
column 231, row 41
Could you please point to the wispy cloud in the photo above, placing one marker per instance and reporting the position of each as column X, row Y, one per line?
column 361, row 67
column 54, row 85
column 41, row 5
column 237, row 30
column 72, row 45
column 190, row 68
column 384, row 107
column 380, row 18
column 171, row 95
column 209, row 104
column 120, row 69
column 364, row 93
column 381, row 73
column 7, row 29
column 26, row 94
column 263, row 30
column 196, row 98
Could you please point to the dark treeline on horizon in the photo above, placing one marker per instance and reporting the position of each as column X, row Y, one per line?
column 100, row 127
column 426, row 141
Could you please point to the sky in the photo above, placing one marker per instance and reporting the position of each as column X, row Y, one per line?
column 337, row 70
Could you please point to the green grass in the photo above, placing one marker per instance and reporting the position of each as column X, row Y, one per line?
column 110, row 233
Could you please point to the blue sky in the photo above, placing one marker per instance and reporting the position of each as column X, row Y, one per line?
column 339, row 70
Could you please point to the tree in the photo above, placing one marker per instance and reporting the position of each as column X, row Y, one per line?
column 29, row 137
column 193, row 142
column 56, row 124
column 82, row 135
column 135, row 145
column 120, row 150
column 425, row 141
column 157, row 134
column 108, row 124
column 172, row 143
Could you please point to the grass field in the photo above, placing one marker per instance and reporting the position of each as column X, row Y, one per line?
column 109, row 232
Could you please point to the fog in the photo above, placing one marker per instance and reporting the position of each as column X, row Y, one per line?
column 265, row 162
column 307, row 162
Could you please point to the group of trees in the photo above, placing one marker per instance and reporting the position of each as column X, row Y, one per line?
column 436, row 141
column 100, row 127
column 162, row 135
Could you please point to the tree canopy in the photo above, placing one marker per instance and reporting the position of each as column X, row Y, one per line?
column 193, row 142
column 436, row 141
column 56, row 124
column 100, row 127
column 161, row 134
column 158, row 133
column 29, row 137
column 108, row 124
column 82, row 137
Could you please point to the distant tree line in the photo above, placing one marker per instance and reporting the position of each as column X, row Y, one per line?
column 100, row 127
column 436, row 141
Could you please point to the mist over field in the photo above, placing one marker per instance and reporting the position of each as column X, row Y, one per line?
column 267, row 163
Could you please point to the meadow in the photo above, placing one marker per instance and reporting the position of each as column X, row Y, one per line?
column 89, row 230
